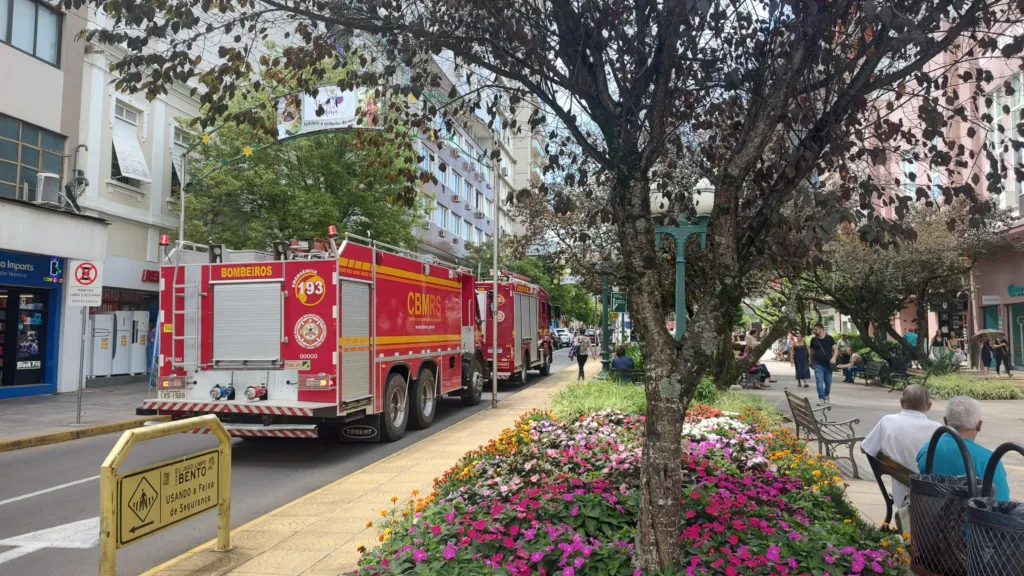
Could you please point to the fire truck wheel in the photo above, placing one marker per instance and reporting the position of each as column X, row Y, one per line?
column 471, row 396
column 423, row 396
column 520, row 378
column 396, row 409
column 545, row 368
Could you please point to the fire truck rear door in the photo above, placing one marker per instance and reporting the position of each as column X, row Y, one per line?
column 247, row 322
column 518, row 312
column 355, row 339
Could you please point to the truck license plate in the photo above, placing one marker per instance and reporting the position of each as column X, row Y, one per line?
column 172, row 394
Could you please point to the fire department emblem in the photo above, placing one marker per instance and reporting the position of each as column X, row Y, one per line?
column 310, row 331
column 500, row 316
column 501, row 300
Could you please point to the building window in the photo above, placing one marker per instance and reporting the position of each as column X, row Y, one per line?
column 456, row 183
column 909, row 167
column 127, row 162
column 32, row 27
column 487, row 238
column 490, row 209
column 466, row 227
column 441, row 216
column 479, row 201
column 454, row 224
column 178, row 167
column 25, row 151
column 477, row 233
column 441, row 173
column 467, row 190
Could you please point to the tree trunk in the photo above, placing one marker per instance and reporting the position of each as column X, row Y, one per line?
column 863, row 327
column 922, row 326
column 660, row 485
column 726, row 370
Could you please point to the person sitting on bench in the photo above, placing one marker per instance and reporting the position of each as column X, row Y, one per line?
column 900, row 436
column 852, row 367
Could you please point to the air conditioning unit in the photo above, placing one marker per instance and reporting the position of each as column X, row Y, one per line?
column 47, row 189
column 425, row 225
column 489, row 186
column 479, row 214
column 455, row 240
column 441, row 233
column 455, row 152
column 465, row 166
column 456, row 198
column 504, row 171
column 479, row 177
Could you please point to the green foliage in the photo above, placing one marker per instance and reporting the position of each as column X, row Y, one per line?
column 578, row 400
column 745, row 401
column 706, row 392
column 941, row 367
column 633, row 351
column 948, row 386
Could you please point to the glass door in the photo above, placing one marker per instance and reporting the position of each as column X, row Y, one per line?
column 1016, row 332
column 23, row 317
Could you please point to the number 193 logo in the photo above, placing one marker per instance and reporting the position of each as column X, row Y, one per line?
column 309, row 288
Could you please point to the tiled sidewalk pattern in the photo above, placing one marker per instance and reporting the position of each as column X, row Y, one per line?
column 318, row 535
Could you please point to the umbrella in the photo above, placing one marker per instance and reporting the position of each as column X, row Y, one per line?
column 988, row 331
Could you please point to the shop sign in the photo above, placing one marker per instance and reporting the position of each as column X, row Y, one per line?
column 1015, row 290
column 151, row 276
column 123, row 296
column 30, row 270
column 990, row 300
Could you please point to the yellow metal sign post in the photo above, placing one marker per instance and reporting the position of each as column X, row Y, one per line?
column 145, row 501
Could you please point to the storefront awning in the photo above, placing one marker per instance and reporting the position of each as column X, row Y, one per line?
column 130, row 158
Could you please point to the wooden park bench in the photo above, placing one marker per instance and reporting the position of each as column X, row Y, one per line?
column 874, row 372
column 829, row 435
column 902, row 380
column 882, row 465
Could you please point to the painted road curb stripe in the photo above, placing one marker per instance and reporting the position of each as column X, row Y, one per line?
column 167, row 565
column 75, row 434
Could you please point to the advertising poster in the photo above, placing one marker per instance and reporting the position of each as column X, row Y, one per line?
column 297, row 113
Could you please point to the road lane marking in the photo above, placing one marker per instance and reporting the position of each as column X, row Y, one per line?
column 81, row 535
column 68, row 485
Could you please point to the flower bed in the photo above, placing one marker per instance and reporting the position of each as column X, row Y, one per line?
column 548, row 497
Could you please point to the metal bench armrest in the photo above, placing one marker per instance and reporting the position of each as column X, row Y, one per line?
column 823, row 409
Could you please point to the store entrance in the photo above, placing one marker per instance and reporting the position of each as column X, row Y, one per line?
column 23, row 316
column 1016, row 332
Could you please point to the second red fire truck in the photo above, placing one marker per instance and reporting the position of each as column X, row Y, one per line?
column 356, row 340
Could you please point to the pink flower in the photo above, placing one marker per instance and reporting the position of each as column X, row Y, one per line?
column 419, row 555
column 536, row 557
column 568, row 571
column 450, row 516
column 435, row 530
column 575, row 511
column 773, row 553
column 449, row 551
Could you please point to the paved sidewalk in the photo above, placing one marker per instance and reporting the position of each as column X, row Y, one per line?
column 35, row 416
column 1002, row 423
column 319, row 533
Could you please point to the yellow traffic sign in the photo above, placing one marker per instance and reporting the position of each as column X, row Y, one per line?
column 157, row 497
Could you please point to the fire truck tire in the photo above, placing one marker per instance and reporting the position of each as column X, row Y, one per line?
column 423, row 400
column 545, row 368
column 475, row 386
column 396, row 409
column 520, row 378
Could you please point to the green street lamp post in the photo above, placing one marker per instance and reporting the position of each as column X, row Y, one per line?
column 703, row 201
column 605, row 332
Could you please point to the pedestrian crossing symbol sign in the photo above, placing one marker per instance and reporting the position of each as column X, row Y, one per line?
column 143, row 499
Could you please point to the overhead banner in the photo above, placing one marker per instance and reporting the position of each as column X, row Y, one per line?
column 297, row 113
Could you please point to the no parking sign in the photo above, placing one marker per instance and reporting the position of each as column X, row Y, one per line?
column 85, row 283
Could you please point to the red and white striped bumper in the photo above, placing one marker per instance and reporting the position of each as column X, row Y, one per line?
column 264, row 433
column 307, row 409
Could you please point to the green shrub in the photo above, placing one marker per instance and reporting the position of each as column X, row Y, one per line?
column 633, row 351
column 941, row 367
column 594, row 395
column 706, row 391
column 948, row 386
column 741, row 401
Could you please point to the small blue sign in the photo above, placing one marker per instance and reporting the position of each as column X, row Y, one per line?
column 31, row 270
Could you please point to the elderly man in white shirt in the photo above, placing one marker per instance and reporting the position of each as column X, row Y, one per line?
column 900, row 436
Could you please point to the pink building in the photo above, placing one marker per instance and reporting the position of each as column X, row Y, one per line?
column 996, row 297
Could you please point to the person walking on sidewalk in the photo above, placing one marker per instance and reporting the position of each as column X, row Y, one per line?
column 581, row 349
column 823, row 355
column 800, row 359
column 1001, row 350
column 986, row 355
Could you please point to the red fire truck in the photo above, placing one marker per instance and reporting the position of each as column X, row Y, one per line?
column 357, row 340
column 524, row 328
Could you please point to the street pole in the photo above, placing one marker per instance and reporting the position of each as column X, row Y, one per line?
column 681, row 234
column 605, row 332
column 494, row 318
column 81, row 362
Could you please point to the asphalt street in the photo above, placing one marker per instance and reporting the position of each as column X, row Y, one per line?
column 49, row 496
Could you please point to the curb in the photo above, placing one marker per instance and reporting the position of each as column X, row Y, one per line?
column 75, row 434
column 234, row 531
